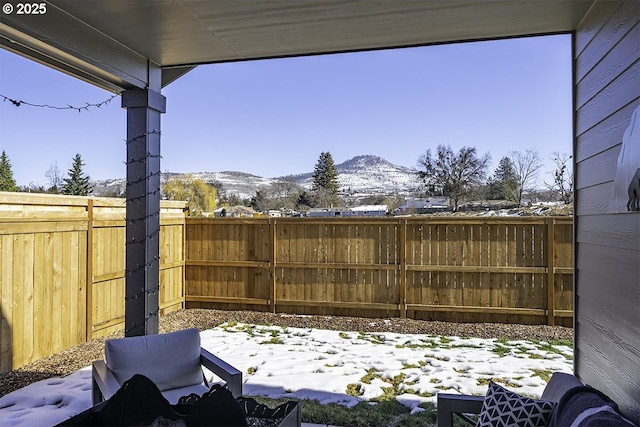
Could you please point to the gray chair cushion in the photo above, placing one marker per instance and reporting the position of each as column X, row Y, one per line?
column 170, row 360
column 558, row 385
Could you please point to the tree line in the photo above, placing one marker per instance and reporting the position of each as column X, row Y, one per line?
column 460, row 176
column 77, row 182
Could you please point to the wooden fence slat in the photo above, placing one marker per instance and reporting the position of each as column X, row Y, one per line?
column 551, row 272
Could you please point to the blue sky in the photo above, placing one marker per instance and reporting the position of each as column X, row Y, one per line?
column 275, row 117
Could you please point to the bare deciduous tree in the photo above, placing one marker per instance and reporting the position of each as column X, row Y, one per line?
column 54, row 176
column 526, row 166
column 562, row 177
column 453, row 174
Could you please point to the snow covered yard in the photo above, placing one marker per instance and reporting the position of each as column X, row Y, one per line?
column 332, row 367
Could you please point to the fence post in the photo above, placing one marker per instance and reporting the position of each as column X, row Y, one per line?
column 89, row 285
column 272, row 265
column 551, row 271
column 403, row 267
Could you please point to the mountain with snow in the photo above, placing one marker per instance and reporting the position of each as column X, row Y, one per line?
column 360, row 176
column 368, row 175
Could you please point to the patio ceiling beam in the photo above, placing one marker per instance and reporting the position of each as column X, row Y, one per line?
column 63, row 42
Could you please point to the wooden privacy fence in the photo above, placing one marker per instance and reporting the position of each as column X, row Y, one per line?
column 62, row 267
column 478, row 269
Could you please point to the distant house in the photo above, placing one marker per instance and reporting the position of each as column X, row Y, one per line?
column 424, row 205
column 328, row 212
column 234, row 212
column 367, row 210
column 370, row 210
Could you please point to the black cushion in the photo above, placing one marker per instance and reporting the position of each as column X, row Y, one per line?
column 587, row 407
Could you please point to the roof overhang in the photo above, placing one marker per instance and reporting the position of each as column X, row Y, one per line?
column 121, row 44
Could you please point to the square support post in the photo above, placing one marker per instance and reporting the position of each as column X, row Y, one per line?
column 142, row 278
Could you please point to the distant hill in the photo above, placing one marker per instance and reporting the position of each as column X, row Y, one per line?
column 357, row 177
column 364, row 175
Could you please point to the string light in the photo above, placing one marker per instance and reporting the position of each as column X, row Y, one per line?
column 139, row 267
column 143, row 179
column 149, row 236
column 143, row 159
column 137, row 199
column 140, row 325
column 153, row 132
column 154, row 291
column 134, row 220
column 86, row 107
column 140, row 242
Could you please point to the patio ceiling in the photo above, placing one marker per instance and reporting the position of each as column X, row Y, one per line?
column 108, row 42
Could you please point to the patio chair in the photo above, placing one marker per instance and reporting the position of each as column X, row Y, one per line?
column 173, row 361
column 565, row 400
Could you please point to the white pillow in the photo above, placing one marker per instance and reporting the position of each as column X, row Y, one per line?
column 169, row 360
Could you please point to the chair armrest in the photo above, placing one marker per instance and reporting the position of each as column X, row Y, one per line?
column 103, row 382
column 449, row 404
column 228, row 373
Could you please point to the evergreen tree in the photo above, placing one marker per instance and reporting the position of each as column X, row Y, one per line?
column 325, row 179
column 78, row 184
column 7, row 183
column 503, row 184
column 304, row 201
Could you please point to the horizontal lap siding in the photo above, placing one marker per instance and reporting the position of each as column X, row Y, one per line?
column 607, row 70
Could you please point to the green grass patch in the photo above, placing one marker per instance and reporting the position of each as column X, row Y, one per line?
column 382, row 414
column 354, row 390
column 542, row 373
column 369, row 376
column 548, row 346
column 272, row 340
column 501, row 350
column 567, row 343
column 390, row 393
column 503, row 381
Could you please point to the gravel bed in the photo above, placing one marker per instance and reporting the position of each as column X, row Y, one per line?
column 77, row 357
